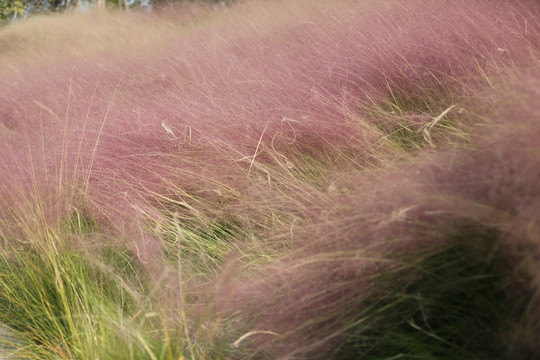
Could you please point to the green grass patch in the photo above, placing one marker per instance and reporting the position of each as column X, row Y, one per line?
column 456, row 303
column 80, row 222
column 201, row 242
column 60, row 304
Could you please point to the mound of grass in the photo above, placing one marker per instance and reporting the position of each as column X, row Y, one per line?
column 274, row 180
column 456, row 303
column 60, row 304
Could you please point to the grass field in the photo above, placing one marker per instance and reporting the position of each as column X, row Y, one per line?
column 272, row 180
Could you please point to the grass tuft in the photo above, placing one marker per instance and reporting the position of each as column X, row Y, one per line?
column 273, row 180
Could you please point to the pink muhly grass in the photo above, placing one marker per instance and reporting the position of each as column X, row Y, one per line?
column 284, row 122
column 329, row 290
column 304, row 82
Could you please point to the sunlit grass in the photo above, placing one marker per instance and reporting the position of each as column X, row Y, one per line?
column 271, row 181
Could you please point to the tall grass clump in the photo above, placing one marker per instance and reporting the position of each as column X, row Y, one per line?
column 435, row 261
column 273, row 180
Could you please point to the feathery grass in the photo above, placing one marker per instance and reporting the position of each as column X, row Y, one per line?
column 281, row 180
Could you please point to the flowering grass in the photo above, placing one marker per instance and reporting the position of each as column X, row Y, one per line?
column 273, row 180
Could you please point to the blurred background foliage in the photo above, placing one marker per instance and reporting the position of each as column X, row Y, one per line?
column 15, row 10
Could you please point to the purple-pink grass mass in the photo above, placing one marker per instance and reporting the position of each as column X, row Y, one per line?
column 329, row 154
